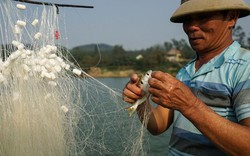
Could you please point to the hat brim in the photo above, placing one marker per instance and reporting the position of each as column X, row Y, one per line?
column 202, row 6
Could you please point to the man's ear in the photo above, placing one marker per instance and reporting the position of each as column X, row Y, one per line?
column 232, row 18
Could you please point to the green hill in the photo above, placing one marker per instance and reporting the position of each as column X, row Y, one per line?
column 92, row 47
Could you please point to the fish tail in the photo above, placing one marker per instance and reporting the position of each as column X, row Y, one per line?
column 131, row 110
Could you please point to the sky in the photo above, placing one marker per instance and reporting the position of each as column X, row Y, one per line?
column 133, row 24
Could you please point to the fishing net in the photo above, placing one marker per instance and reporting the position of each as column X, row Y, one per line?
column 49, row 106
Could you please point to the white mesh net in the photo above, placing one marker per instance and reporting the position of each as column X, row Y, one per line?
column 45, row 108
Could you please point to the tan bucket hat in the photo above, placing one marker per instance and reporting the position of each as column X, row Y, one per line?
column 188, row 7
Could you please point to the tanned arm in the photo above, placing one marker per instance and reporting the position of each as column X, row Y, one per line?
column 233, row 138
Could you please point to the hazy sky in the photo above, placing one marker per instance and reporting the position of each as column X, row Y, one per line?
column 134, row 24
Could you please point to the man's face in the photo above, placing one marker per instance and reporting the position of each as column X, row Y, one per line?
column 207, row 31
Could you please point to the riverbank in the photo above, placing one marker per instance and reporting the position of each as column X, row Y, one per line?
column 103, row 72
column 98, row 72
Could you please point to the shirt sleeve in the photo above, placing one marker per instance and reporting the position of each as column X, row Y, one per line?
column 241, row 93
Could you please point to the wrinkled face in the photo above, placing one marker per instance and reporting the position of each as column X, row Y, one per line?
column 207, row 31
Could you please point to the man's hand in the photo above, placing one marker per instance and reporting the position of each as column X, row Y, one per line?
column 169, row 92
column 132, row 92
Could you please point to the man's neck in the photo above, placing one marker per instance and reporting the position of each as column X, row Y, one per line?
column 204, row 57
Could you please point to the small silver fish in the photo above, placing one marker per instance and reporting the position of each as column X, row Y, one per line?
column 143, row 84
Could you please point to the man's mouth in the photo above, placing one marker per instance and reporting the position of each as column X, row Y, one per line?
column 195, row 38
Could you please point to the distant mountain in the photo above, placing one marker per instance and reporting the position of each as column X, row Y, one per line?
column 92, row 47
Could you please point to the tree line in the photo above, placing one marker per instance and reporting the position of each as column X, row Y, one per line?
column 153, row 57
column 117, row 58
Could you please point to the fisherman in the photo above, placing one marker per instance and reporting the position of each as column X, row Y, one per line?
column 208, row 102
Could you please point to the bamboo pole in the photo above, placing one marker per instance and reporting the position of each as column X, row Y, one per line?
column 56, row 4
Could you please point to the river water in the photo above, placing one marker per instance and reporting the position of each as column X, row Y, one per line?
column 155, row 145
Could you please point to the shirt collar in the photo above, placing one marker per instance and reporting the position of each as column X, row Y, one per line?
column 215, row 62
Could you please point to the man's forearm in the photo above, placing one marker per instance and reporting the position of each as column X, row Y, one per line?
column 231, row 137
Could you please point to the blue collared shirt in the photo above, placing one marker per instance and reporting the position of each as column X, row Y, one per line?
column 224, row 85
